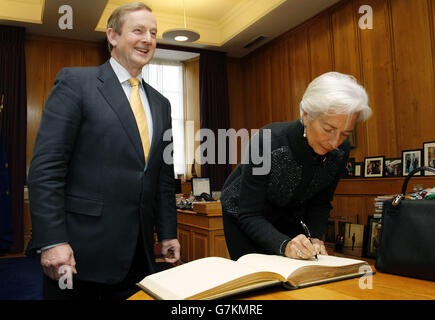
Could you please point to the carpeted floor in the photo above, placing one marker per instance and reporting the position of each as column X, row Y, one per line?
column 20, row 279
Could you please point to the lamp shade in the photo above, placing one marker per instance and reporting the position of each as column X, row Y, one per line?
column 181, row 35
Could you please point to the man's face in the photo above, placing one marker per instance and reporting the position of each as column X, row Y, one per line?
column 136, row 44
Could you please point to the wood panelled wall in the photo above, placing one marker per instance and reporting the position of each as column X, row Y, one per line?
column 191, row 114
column 45, row 57
column 394, row 61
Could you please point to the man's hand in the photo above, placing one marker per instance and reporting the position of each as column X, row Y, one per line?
column 52, row 259
column 171, row 250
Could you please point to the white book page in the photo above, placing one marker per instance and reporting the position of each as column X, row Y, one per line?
column 286, row 266
column 195, row 277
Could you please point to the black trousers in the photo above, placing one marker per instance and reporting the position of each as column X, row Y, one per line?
column 238, row 243
column 86, row 290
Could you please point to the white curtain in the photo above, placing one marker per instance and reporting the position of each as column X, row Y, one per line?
column 167, row 78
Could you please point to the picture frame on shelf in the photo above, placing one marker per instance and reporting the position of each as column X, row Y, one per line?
column 373, row 236
column 340, row 231
column 374, row 167
column 358, row 169
column 353, row 239
column 335, row 232
column 429, row 156
column 350, row 168
column 393, row 167
column 411, row 159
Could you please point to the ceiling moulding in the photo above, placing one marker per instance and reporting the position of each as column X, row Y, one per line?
column 214, row 33
column 24, row 11
column 244, row 15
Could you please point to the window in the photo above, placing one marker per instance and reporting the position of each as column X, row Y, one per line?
column 167, row 78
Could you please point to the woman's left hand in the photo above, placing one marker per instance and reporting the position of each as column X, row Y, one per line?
column 319, row 246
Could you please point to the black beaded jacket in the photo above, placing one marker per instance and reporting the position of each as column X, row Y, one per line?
column 299, row 186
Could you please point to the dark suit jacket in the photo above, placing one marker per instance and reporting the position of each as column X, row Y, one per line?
column 88, row 184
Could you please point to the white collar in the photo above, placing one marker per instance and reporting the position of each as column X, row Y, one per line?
column 122, row 73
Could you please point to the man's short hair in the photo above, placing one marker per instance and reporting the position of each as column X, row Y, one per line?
column 117, row 18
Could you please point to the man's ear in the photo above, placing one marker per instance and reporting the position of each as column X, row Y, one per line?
column 112, row 36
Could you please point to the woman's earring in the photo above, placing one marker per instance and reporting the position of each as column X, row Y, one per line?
column 305, row 131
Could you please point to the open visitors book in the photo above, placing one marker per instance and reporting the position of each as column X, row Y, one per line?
column 214, row 277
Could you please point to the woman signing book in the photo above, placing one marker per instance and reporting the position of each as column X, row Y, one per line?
column 271, row 212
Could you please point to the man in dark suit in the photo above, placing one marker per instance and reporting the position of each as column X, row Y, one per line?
column 98, row 183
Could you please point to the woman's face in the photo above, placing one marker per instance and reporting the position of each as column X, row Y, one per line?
column 328, row 132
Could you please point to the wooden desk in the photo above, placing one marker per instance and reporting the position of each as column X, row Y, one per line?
column 201, row 235
column 385, row 287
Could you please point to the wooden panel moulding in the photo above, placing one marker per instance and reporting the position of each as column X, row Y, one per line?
column 381, row 186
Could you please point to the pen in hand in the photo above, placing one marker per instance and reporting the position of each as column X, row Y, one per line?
column 308, row 235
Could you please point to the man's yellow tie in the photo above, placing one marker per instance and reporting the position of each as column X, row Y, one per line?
column 139, row 114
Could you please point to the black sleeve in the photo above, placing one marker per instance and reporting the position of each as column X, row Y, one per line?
column 252, row 200
column 60, row 124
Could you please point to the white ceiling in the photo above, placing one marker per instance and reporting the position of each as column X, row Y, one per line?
column 172, row 55
column 87, row 13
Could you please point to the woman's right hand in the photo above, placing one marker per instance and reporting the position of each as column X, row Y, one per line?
column 300, row 247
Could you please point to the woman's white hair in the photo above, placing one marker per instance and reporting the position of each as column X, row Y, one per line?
column 334, row 92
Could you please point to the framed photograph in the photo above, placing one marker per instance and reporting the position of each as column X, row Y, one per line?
column 373, row 236
column 350, row 168
column 335, row 232
column 429, row 156
column 340, row 231
column 336, row 224
column 393, row 167
column 353, row 239
column 411, row 159
column 358, row 169
column 373, row 167
column 200, row 186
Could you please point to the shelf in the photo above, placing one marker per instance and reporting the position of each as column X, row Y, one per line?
column 380, row 186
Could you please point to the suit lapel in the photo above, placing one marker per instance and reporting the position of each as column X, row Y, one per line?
column 112, row 91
